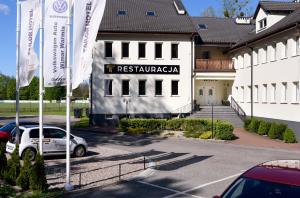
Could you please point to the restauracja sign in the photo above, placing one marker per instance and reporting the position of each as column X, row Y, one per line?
column 141, row 69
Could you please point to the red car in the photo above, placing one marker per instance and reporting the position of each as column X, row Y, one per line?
column 6, row 129
column 274, row 179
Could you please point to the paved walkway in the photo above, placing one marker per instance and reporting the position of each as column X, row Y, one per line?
column 252, row 139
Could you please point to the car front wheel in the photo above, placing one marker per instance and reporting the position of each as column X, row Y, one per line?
column 79, row 151
column 32, row 154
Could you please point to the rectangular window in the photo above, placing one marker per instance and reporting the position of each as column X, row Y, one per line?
column 158, row 50
column 206, row 55
column 249, row 94
column 273, row 52
column 255, row 93
column 174, row 50
column 262, row 23
column 283, row 92
column 108, row 87
column 108, row 49
column 265, row 54
column 296, row 93
column 125, row 50
column 125, row 87
column 297, row 45
column 242, row 94
column 142, row 87
column 284, row 49
column 273, row 93
column 142, row 50
column 265, row 93
column 174, row 87
column 158, row 87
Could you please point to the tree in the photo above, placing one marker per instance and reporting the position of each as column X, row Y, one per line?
column 55, row 93
column 11, row 89
column 3, row 86
column 33, row 89
column 234, row 8
column 82, row 91
column 209, row 12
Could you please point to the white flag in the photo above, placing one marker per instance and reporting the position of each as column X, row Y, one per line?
column 55, row 42
column 87, row 18
column 28, row 60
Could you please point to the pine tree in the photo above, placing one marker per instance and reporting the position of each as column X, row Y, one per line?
column 23, row 179
column 37, row 179
column 3, row 160
column 13, row 167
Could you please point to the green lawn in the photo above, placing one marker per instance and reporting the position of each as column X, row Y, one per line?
column 9, row 109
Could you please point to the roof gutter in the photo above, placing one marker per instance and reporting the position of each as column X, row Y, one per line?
column 290, row 27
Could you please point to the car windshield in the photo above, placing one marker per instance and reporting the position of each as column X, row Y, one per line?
column 8, row 127
column 249, row 188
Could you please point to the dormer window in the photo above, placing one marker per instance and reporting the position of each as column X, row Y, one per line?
column 202, row 26
column 122, row 13
column 150, row 13
column 262, row 23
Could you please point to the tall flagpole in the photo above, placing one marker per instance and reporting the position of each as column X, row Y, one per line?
column 18, row 29
column 41, row 82
column 68, row 185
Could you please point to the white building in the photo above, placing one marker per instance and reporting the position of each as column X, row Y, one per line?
column 152, row 60
column 273, row 52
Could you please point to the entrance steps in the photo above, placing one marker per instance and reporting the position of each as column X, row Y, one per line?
column 220, row 113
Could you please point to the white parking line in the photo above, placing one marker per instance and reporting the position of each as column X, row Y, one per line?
column 202, row 185
column 168, row 189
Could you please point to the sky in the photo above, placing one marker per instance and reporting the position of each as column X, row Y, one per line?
column 8, row 28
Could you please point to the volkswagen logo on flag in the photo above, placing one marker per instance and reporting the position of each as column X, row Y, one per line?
column 60, row 6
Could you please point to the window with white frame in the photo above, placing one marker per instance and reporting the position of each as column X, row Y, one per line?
column 264, row 93
column 283, row 92
column 242, row 94
column 240, row 61
column 249, row 93
column 284, row 49
column 264, row 54
column 255, row 57
column 296, row 93
column 108, row 87
column 273, row 93
column 255, row 93
column 273, row 52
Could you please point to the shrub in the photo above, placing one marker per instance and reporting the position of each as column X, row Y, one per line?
column 23, row 179
column 224, row 130
column 276, row 131
column 3, row 160
column 175, row 124
column 289, row 136
column 147, row 124
column 206, row 135
column 136, row 130
column 254, row 125
column 247, row 123
column 196, row 125
column 13, row 167
column 264, row 127
column 37, row 178
column 191, row 134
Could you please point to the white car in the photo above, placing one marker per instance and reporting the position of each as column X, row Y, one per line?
column 54, row 142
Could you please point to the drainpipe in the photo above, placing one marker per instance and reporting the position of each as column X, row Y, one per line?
column 251, row 93
column 192, row 70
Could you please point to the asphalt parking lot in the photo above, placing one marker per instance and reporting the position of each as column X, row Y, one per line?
column 183, row 167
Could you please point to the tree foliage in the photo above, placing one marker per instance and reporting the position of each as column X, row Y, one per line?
column 235, row 8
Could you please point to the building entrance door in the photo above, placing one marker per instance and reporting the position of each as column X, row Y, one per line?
column 206, row 95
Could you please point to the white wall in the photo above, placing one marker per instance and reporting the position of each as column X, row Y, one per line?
column 149, row 103
column 283, row 69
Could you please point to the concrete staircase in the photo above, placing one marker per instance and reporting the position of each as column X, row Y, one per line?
column 220, row 113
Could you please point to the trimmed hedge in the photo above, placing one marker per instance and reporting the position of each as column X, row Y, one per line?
column 254, row 125
column 224, row 130
column 264, row 128
column 247, row 123
column 276, row 131
column 206, row 135
column 289, row 136
column 192, row 127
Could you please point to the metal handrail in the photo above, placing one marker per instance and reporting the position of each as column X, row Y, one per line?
column 238, row 109
column 188, row 108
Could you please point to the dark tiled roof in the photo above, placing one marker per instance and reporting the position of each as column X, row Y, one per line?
column 281, row 6
column 167, row 20
column 287, row 22
column 221, row 30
